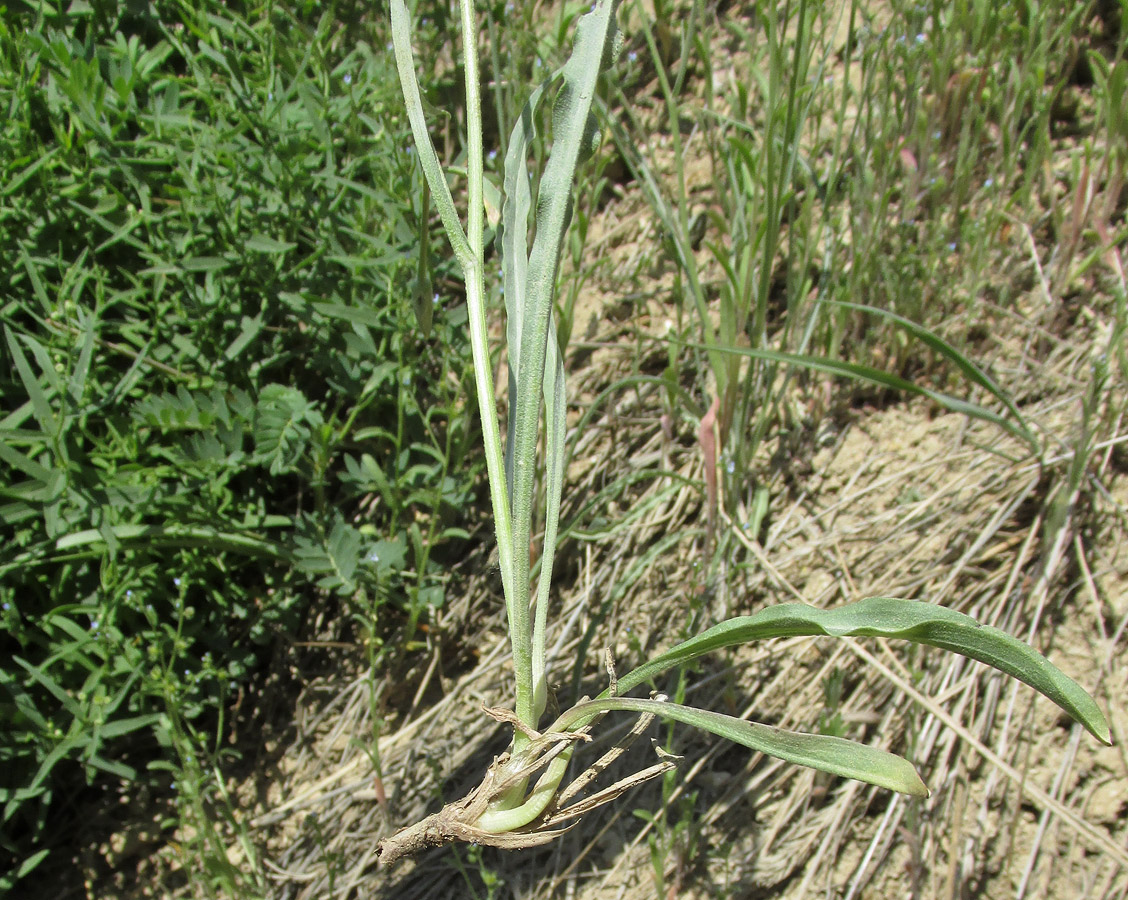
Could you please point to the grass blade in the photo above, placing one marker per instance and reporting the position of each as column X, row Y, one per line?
column 513, row 242
column 44, row 413
column 970, row 370
column 835, row 755
column 886, row 617
column 428, row 158
column 573, row 132
column 555, row 445
column 877, row 377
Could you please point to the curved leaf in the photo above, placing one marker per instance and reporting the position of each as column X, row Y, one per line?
column 970, row 370
column 869, row 374
column 887, row 617
column 819, row 751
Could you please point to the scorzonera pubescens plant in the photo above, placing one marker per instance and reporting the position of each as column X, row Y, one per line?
column 509, row 809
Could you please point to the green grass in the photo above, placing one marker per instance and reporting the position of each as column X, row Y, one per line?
column 217, row 412
column 866, row 172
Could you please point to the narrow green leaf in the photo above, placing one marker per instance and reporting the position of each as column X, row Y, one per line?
column 53, row 687
column 18, row 179
column 555, row 446
column 260, row 243
column 31, row 862
column 37, row 285
column 970, row 370
column 112, row 767
column 887, row 617
column 428, row 158
column 250, row 328
column 25, row 464
column 513, row 246
column 119, row 727
column 174, row 536
column 359, row 315
column 205, row 264
column 44, row 414
column 424, row 288
column 595, row 34
column 77, row 385
column 819, row 751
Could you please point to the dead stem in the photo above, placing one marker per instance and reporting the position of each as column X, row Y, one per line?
column 457, row 821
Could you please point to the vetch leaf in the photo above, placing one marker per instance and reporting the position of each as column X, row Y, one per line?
column 260, row 243
column 282, row 426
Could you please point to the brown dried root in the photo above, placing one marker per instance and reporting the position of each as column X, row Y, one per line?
column 456, row 821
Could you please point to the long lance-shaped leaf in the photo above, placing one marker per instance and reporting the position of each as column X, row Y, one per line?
column 428, row 158
column 887, row 617
column 572, row 135
column 513, row 238
column 513, row 242
column 970, row 370
column 819, row 751
column 880, row 378
column 513, row 246
column 555, row 441
column 467, row 246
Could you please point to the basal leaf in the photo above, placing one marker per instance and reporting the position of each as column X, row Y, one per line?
column 819, row 751
column 887, row 617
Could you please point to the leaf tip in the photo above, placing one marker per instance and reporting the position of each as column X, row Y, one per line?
column 920, row 789
column 1102, row 732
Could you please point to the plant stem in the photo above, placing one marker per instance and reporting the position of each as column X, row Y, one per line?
column 468, row 248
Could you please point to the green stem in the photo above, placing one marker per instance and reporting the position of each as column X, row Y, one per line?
column 468, row 248
column 516, row 584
